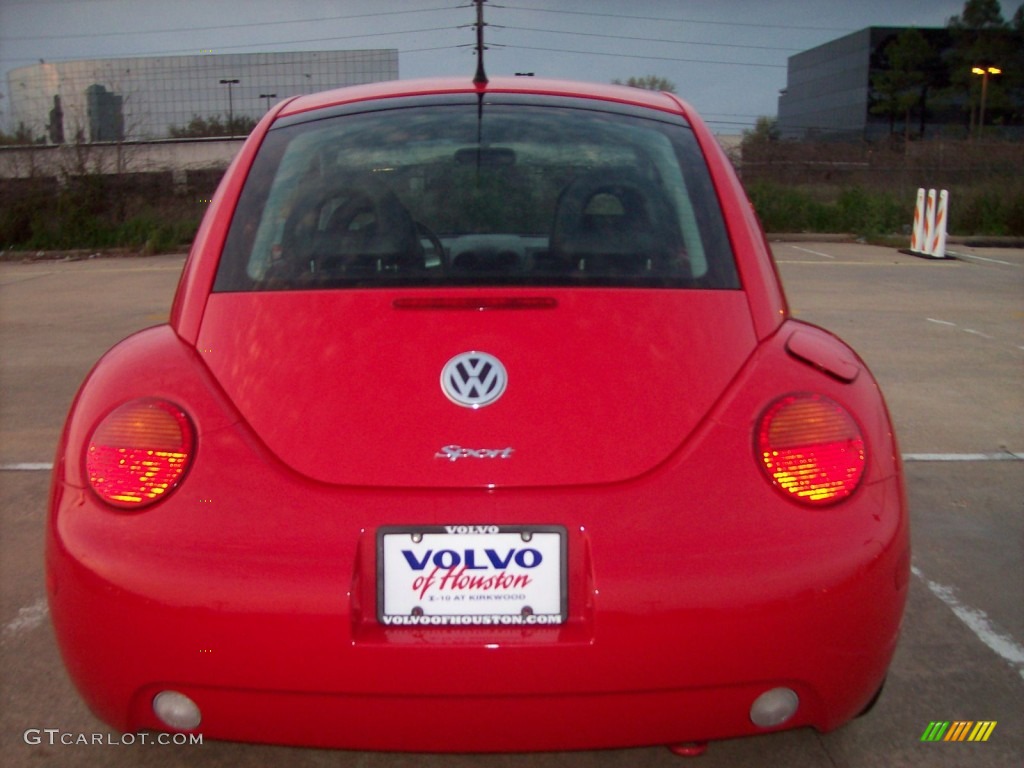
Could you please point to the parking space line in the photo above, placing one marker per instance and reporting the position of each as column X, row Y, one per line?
column 977, row 621
column 999, row 456
column 971, row 331
column 975, row 257
column 815, row 253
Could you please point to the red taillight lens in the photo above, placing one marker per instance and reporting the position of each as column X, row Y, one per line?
column 811, row 448
column 139, row 453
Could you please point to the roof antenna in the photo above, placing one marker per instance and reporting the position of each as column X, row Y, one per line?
column 481, row 77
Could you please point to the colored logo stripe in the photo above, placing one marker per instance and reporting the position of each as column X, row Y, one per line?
column 958, row 730
column 982, row 731
column 935, row 731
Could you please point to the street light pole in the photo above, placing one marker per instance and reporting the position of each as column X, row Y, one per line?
column 268, row 97
column 984, row 72
column 231, row 106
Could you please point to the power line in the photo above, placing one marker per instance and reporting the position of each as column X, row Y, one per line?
column 706, row 115
column 263, row 45
column 215, row 27
column 648, row 39
column 676, row 21
column 644, row 56
column 333, row 38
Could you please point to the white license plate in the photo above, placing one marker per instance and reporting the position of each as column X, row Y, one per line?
column 471, row 575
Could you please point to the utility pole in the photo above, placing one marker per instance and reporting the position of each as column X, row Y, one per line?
column 481, row 77
column 231, row 105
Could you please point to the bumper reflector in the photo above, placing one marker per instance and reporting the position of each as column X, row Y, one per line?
column 774, row 707
column 176, row 711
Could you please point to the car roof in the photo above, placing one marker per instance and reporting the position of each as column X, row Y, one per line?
column 620, row 94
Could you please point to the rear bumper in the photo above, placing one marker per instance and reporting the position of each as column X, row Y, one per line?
column 471, row 724
column 673, row 632
column 691, row 590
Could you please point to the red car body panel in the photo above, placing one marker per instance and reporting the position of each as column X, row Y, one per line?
column 693, row 584
column 331, row 425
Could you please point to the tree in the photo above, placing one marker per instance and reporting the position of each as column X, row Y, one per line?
column 979, row 14
column 761, row 144
column 649, row 83
column 982, row 38
column 1012, row 79
column 766, row 131
column 213, row 126
column 23, row 135
column 903, row 83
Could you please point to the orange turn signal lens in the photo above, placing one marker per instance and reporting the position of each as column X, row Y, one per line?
column 139, row 453
column 811, row 448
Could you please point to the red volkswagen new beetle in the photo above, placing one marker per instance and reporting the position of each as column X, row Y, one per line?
column 479, row 424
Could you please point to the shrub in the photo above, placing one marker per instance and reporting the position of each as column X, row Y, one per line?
column 856, row 210
column 94, row 212
column 994, row 210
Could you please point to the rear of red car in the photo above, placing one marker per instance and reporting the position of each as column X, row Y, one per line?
column 479, row 425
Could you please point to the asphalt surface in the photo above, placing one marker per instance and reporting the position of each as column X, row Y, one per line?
column 946, row 341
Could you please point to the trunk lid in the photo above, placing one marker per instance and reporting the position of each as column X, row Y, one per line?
column 345, row 386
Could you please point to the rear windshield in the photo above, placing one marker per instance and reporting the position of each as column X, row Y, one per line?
column 468, row 194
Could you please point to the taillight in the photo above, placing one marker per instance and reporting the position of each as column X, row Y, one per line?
column 811, row 448
column 139, row 452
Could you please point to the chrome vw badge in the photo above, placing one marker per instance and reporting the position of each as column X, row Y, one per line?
column 473, row 379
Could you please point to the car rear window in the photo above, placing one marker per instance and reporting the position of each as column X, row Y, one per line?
column 478, row 194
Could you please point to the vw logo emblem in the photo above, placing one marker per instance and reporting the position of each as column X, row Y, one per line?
column 473, row 379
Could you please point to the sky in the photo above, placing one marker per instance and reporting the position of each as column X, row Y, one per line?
column 726, row 57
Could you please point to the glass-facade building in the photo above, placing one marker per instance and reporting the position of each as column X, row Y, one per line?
column 833, row 91
column 143, row 98
column 828, row 88
column 837, row 90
